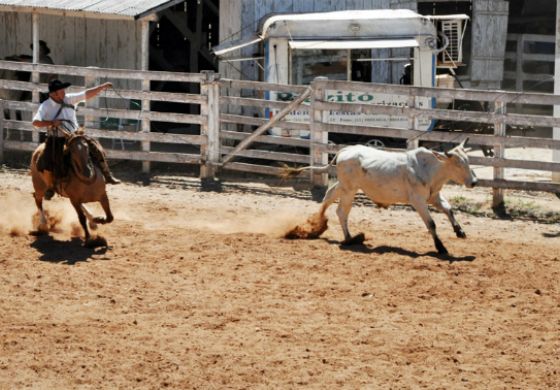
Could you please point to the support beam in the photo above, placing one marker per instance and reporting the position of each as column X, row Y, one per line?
column 556, row 130
column 35, row 75
column 499, row 153
column 144, row 64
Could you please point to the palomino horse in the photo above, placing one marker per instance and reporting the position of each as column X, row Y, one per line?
column 84, row 183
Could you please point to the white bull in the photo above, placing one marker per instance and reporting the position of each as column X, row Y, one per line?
column 414, row 177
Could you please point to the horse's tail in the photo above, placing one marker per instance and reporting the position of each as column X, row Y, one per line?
column 288, row 172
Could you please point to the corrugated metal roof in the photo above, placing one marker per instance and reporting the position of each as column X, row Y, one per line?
column 124, row 8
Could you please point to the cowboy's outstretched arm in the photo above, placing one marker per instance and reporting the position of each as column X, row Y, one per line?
column 93, row 92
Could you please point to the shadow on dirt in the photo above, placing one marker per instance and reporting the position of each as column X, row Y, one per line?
column 67, row 252
column 551, row 235
column 383, row 249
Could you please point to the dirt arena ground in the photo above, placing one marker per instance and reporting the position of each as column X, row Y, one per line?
column 198, row 289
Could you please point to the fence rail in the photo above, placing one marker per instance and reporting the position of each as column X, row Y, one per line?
column 227, row 119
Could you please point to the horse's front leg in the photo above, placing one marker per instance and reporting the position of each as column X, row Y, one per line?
column 107, row 208
column 82, row 218
column 43, row 225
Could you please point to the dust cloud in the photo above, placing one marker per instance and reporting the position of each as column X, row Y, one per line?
column 19, row 216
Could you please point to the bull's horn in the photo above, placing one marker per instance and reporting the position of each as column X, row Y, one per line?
column 464, row 143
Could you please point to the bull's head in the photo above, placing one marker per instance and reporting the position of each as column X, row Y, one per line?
column 457, row 162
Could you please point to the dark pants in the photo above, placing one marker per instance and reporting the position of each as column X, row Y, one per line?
column 53, row 157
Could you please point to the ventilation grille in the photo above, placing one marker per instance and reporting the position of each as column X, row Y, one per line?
column 453, row 54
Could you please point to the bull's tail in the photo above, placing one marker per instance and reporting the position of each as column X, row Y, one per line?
column 288, row 172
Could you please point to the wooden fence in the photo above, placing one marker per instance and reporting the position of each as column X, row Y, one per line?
column 227, row 118
column 106, row 122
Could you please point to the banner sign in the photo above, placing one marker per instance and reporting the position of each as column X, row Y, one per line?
column 301, row 115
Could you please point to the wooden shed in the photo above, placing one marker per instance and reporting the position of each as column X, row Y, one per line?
column 107, row 33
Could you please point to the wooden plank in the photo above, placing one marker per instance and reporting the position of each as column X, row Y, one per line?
column 65, row 12
column 520, row 164
column 246, row 120
column 451, row 115
column 179, row 158
column 1, row 131
column 499, row 152
column 454, row 137
column 302, row 6
column 462, row 94
column 210, row 151
column 230, row 27
column 104, row 72
column 254, row 168
column 266, row 139
column 262, row 86
column 520, row 185
column 268, row 155
column 120, row 93
column 318, row 135
column 250, row 102
column 191, row 139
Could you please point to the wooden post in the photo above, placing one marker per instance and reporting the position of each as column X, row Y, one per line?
column 319, row 137
column 210, row 152
column 499, row 152
column 412, row 123
column 35, row 75
column 556, row 130
column 90, row 81
column 520, row 54
column 1, row 131
column 145, row 56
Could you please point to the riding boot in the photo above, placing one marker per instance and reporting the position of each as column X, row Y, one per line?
column 109, row 178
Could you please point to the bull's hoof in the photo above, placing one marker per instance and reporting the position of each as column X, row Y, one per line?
column 358, row 239
column 441, row 249
column 439, row 246
column 460, row 233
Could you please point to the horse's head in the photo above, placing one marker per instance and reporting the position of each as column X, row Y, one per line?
column 77, row 148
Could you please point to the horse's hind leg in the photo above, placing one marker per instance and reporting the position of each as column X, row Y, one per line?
column 107, row 208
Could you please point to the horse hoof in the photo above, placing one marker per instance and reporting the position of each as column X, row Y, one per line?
column 99, row 220
column 48, row 194
column 95, row 242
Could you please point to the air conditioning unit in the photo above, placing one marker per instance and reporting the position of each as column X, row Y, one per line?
column 451, row 30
